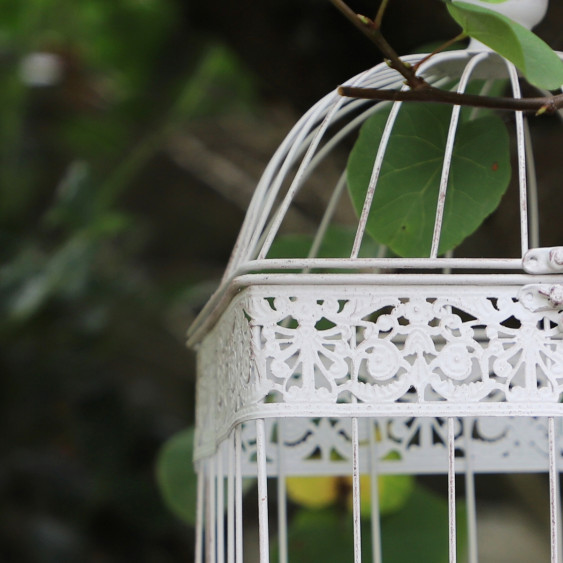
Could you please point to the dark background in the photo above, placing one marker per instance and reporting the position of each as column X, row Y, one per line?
column 122, row 188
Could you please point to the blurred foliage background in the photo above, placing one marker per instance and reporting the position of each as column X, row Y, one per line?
column 131, row 135
column 96, row 290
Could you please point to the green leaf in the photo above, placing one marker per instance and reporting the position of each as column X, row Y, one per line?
column 319, row 535
column 404, row 205
column 33, row 278
column 322, row 491
column 534, row 58
column 337, row 242
column 418, row 532
column 176, row 476
column 394, row 491
column 219, row 84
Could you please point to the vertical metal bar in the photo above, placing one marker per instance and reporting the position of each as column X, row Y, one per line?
column 471, row 507
column 262, row 491
column 533, row 206
column 556, row 434
column 199, row 515
column 356, row 492
column 220, row 498
column 299, row 177
column 554, row 499
column 282, row 497
column 451, row 491
column 210, row 527
column 238, row 496
column 231, row 500
column 271, row 183
column 327, row 217
column 448, row 153
column 374, row 178
column 521, row 147
column 485, row 91
column 376, row 553
column 356, row 511
column 437, row 232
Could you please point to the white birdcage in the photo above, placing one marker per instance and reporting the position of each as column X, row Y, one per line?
column 325, row 366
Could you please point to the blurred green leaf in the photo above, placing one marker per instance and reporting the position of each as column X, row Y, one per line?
column 319, row 535
column 32, row 278
column 418, row 532
column 91, row 362
column 176, row 476
column 324, row 490
column 394, row 492
column 219, row 83
column 404, row 205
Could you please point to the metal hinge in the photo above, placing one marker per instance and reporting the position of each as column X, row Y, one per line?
column 541, row 297
column 544, row 260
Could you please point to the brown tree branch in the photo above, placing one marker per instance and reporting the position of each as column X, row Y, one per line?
column 420, row 90
column 441, row 48
column 372, row 30
column 547, row 104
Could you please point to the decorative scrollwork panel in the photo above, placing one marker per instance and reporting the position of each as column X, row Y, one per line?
column 401, row 445
column 376, row 348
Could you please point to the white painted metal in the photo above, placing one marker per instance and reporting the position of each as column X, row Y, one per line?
column 544, row 260
column 231, row 501
column 472, row 542
column 374, row 178
column 211, row 522
column 451, row 492
column 263, row 529
column 326, row 366
column 199, row 517
column 466, row 75
column 553, row 492
column 282, row 500
column 376, row 548
column 238, row 497
column 220, row 508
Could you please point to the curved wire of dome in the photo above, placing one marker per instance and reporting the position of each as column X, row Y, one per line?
column 262, row 224
column 323, row 129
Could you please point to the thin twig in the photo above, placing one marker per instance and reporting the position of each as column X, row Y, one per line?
column 441, row 48
column 420, row 90
column 380, row 13
column 372, row 31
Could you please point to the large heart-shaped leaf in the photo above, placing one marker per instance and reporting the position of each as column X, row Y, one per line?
column 533, row 57
column 404, row 206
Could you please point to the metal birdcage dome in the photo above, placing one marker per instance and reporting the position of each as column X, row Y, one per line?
column 346, row 360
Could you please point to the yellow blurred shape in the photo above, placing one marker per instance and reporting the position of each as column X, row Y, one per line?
column 324, row 491
column 313, row 492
